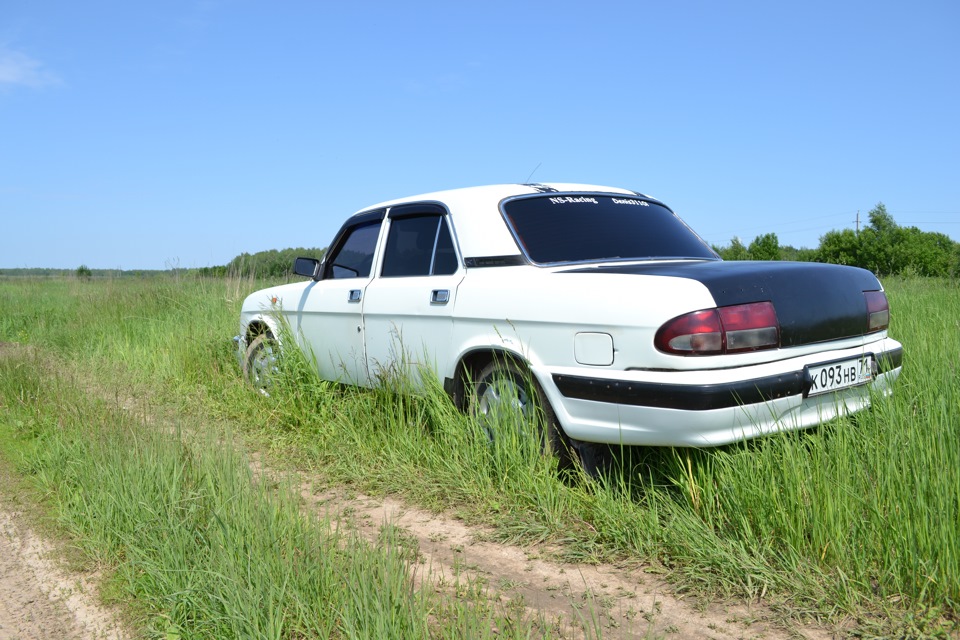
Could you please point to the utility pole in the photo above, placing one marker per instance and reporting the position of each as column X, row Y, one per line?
column 858, row 222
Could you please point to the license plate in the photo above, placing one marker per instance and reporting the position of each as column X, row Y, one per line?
column 842, row 374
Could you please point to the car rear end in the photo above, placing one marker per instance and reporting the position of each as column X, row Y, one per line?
column 781, row 346
column 702, row 352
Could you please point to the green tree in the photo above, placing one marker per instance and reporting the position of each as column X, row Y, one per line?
column 925, row 253
column 886, row 248
column 880, row 243
column 84, row 272
column 736, row 250
column 765, row 247
column 839, row 247
column 880, row 220
column 791, row 253
column 270, row 263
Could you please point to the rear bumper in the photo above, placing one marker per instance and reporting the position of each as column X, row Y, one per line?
column 701, row 397
column 710, row 408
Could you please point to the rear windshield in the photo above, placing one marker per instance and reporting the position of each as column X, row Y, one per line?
column 583, row 228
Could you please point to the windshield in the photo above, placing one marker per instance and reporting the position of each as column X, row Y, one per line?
column 588, row 228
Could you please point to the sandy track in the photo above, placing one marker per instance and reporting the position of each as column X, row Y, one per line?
column 39, row 598
column 617, row 602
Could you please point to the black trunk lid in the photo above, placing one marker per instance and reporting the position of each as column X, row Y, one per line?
column 814, row 302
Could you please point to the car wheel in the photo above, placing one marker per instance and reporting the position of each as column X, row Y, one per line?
column 506, row 395
column 260, row 363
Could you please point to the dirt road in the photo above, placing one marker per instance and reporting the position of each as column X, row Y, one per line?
column 592, row 600
column 39, row 598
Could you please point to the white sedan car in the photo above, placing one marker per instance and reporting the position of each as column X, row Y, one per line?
column 597, row 304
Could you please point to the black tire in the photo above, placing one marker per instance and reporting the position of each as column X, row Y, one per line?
column 260, row 363
column 503, row 385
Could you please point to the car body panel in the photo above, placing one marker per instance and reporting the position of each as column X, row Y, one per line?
column 819, row 310
column 398, row 313
column 334, row 308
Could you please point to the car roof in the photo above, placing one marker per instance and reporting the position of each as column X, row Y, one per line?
column 475, row 212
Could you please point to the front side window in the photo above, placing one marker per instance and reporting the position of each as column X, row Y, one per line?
column 591, row 227
column 419, row 246
column 355, row 256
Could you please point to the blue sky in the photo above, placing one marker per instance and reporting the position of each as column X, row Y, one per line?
column 156, row 134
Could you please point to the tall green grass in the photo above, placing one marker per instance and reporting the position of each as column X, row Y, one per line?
column 201, row 546
column 859, row 517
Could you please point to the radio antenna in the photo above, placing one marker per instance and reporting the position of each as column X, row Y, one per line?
column 532, row 172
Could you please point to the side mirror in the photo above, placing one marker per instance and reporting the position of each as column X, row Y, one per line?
column 308, row 267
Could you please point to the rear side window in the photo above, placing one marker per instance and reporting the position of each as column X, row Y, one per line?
column 419, row 246
column 584, row 228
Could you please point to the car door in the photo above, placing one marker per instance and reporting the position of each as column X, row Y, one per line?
column 330, row 315
column 408, row 306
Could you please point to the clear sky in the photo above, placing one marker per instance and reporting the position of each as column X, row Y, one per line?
column 148, row 135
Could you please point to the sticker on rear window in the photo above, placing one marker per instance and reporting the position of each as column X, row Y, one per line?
column 572, row 199
column 636, row 203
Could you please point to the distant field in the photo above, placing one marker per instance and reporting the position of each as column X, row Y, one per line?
column 857, row 522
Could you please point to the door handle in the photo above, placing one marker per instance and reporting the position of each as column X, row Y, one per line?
column 440, row 296
column 354, row 295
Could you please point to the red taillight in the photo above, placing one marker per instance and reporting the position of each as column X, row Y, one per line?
column 743, row 327
column 878, row 311
column 748, row 327
column 697, row 333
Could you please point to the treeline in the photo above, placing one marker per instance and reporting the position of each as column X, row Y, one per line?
column 263, row 264
column 82, row 272
column 272, row 263
column 36, row 272
column 882, row 247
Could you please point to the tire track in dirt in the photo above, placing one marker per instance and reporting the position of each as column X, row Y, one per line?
column 39, row 599
column 584, row 598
